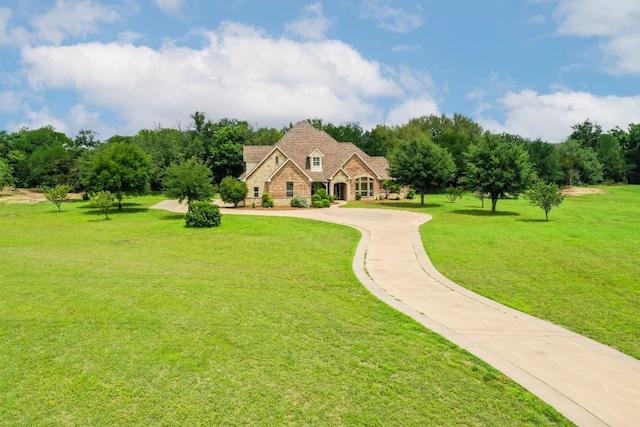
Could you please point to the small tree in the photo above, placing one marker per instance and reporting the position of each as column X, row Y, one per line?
column 545, row 196
column 57, row 195
column 233, row 190
column 189, row 180
column 391, row 186
column 423, row 165
column 453, row 193
column 103, row 200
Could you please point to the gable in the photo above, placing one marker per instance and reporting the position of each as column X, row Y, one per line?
column 355, row 166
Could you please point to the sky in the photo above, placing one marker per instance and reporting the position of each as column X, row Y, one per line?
column 529, row 67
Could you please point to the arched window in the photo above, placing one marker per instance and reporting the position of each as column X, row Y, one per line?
column 364, row 186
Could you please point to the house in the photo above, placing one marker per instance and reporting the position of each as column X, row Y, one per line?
column 305, row 160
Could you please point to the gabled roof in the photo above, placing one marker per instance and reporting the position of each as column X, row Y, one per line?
column 283, row 165
column 267, row 149
column 303, row 139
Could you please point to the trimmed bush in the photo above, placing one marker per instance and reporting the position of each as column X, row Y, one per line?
column 298, row 202
column 267, row 201
column 318, row 204
column 410, row 194
column 203, row 214
column 358, row 196
column 316, row 197
column 326, row 203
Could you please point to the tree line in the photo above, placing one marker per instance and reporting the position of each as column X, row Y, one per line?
column 130, row 165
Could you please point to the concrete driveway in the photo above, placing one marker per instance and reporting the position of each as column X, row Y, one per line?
column 590, row 383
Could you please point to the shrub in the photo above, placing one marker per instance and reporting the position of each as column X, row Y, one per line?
column 322, row 193
column 299, row 202
column 411, row 193
column 326, row 203
column 267, row 201
column 318, row 204
column 203, row 214
column 103, row 200
column 253, row 204
column 358, row 196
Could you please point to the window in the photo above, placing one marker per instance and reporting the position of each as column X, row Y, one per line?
column 256, row 191
column 316, row 162
column 289, row 189
column 364, row 186
column 277, row 160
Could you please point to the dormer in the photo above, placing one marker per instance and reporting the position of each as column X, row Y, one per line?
column 315, row 160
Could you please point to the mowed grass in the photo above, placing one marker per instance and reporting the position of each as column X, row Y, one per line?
column 580, row 270
column 141, row 321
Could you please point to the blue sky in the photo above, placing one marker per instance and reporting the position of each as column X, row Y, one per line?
column 531, row 67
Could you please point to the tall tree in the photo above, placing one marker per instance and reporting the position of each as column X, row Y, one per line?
column 586, row 133
column 422, row 165
column 498, row 167
column 545, row 160
column 119, row 168
column 579, row 164
column 6, row 176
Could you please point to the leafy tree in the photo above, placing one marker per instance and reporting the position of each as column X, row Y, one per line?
column 164, row 147
column 189, row 180
column 225, row 150
column 498, row 167
column 266, row 136
column 455, row 134
column 391, row 186
column 545, row 196
column 120, row 168
column 233, row 190
column 19, row 165
column 422, row 165
column 545, row 160
column 57, row 195
column 611, row 157
column 630, row 144
column 586, row 133
column 6, row 176
column 378, row 141
column 579, row 164
column 454, row 193
column 103, row 200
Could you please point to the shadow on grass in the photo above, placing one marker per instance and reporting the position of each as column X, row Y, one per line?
column 409, row 205
column 483, row 212
column 533, row 220
column 172, row 217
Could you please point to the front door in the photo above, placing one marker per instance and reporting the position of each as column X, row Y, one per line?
column 339, row 190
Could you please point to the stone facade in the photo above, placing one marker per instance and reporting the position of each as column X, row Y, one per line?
column 291, row 160
column 278, row 184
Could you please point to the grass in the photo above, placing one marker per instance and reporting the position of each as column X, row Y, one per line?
column 141, row 321
column 580, row 270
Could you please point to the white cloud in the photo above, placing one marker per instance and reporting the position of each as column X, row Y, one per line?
column 72, row 18
column 169, row 6
column 412, row 108
column 37, row 120
column 239, row 72
column 550, row 116
column 391, row 18
column 312, row 25
column 11, row 101
column 615, row 22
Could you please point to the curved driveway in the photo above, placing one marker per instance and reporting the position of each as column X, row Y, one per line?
column 591, row 384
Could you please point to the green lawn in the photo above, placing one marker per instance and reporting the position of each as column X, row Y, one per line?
column 140, row 321
column 580, row 270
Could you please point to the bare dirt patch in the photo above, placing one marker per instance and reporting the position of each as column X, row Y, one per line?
column 26, row 195
column 581, row 191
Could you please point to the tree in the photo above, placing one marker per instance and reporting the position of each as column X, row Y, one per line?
column 421, row 164
column 579, row 164
column 189, row 180
column 391, row 186
column 233, row 190
column 498, row 167
column 103, row 200
column 6, row 176
column 545, row 196
column 57, row 195
column 120, row 168
column 545, row 160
